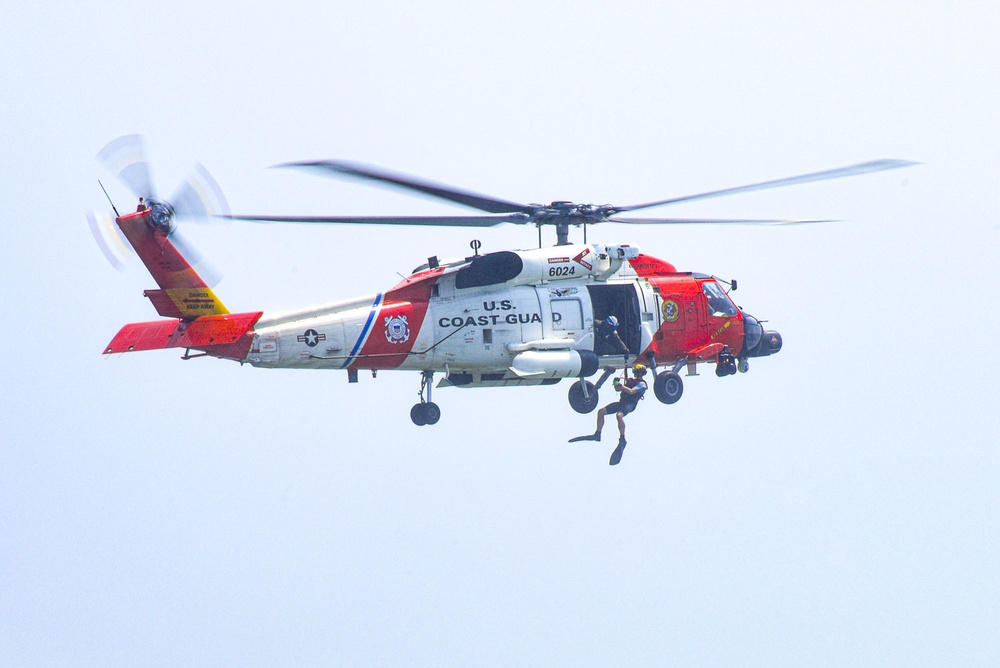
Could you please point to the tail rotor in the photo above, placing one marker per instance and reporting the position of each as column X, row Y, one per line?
column 198, row 199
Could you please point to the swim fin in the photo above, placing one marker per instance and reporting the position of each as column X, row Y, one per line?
column 616, row 456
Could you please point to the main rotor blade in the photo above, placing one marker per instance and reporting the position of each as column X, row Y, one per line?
column 449, row 221
column 357, row 170
column 711, row 221
column 852, row 170
column 126, row 157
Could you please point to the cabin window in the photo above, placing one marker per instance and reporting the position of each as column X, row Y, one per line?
column 567, row 314
column 719, row 303
column 489, row 269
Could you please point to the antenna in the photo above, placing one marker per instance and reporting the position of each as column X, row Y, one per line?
column 117, row 215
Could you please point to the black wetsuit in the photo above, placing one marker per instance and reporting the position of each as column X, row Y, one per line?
column 628, row 402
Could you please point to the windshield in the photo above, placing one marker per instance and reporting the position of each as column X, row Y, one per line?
column 719, row 303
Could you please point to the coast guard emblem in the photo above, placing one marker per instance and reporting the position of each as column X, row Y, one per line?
column 397, row 329
column 670, row 311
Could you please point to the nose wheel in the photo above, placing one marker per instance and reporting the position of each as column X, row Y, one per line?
column 426, row 412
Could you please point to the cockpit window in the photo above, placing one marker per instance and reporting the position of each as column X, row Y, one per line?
column 719, row 303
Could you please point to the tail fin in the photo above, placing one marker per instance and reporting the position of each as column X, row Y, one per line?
column 183, row 293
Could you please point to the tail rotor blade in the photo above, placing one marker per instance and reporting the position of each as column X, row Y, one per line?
column 126, row 157
column 200, row 197
column 208, row 272
column 109, row 238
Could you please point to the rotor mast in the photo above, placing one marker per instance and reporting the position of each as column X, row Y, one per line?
column 563, row 214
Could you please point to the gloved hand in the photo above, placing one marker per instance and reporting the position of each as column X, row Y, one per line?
column 617, row 384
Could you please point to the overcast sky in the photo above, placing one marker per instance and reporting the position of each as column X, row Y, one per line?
column 835, row 506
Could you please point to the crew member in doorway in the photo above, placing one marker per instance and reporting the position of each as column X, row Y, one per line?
column 607, row 340
column 631, row 391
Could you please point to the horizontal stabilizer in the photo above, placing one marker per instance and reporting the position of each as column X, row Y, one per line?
column 200, row 333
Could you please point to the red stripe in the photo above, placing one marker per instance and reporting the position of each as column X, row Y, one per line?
column 410, row 299
column 647, row 265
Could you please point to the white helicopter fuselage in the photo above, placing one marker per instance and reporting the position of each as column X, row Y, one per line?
column 523, row 320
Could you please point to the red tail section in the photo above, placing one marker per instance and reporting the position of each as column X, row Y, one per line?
column 198, row 319
column 182, row 293
column 228, row 336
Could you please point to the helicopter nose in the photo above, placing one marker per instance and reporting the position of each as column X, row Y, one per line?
column 769, row 344
column 756, row 341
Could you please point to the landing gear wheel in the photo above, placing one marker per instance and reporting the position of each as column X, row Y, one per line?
column 426, row 412
column 743, row 366
column 419, row 415
column 578, row 402
column 668, row 387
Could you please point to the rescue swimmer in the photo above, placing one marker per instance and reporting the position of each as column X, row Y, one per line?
column 632, row 391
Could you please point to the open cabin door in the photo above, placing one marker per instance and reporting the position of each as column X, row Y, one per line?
column 622, row 302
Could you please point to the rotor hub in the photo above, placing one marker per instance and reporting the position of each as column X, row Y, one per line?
column 569, row 213
column 161, row 215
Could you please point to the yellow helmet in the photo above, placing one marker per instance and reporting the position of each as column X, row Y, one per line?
column 639, row 368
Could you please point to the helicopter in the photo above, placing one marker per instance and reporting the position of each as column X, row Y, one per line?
column 572, row 311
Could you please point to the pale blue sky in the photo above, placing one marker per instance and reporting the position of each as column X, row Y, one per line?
column 835, row 506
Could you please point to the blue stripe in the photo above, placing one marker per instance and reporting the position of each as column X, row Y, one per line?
column 364, row 331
